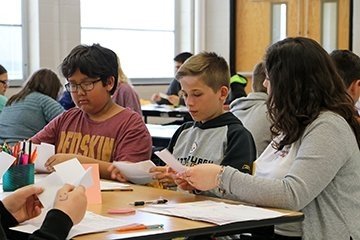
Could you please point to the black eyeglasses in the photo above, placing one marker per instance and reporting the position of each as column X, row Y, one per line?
column 5, row 82
column 86, row 86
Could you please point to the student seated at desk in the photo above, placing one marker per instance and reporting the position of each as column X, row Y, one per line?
column 28, row 111
column 3, row 86
column 252, row 110
column 174, row 89
column 348, row 66
column 313, row 163
column 125, row 94
column 216, row 136
column 97, row 130
column 23, row 205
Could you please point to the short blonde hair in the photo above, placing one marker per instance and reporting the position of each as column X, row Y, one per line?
column 210, row 67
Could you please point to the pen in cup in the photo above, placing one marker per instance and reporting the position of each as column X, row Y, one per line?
column 142, row 203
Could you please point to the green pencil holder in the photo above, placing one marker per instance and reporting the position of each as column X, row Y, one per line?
column 18, row 176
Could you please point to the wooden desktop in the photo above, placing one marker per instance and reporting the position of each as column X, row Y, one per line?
column 173, row 226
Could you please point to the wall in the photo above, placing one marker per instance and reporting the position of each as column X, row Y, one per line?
column 54, row 29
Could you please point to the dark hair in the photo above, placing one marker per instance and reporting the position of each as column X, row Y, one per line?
column 94, row 61
column 210, row 67
column 258, row 78
column 303, row 82
column 2, row 69
column 182, row 57
column 43, row 81
column 347, row 64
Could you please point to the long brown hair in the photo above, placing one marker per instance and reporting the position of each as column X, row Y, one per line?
column 304, row 82
column 43, row 81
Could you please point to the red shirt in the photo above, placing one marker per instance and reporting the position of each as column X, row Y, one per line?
column 123, row 137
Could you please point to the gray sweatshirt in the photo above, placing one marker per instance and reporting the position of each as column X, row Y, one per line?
column 252, row 112
column 323, row 181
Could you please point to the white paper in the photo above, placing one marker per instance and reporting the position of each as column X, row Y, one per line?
column 6, row 160
column 136, row 172
column 70, row 172
column 170, row 160
column 44, row 152
column 107, row 185
column 163, row 95
column 51, row 184
column 215, row 212
column 91, row 223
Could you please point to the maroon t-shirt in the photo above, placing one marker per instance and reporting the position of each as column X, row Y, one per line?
column 123, row 137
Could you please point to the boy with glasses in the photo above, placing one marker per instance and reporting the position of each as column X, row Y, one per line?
column 3, row 86
column 97, row 130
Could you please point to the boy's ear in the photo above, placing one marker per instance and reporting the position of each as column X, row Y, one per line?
column 224, row 91
column 354, row 89
column 110, row 83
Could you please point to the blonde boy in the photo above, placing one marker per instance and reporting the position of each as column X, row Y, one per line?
column 215, row 136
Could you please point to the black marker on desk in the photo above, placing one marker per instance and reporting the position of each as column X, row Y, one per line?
column 142, row 203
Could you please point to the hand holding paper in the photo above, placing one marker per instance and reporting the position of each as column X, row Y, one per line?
column 136, row 172
column 170, row 160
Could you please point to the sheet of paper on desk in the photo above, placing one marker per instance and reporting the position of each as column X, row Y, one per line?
column 170, row 160
column 91, row 223
column 136, row 172
column 44, row 151
column 215, row 212
column 108, row 185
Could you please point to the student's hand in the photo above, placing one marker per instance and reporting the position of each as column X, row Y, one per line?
column 203, row 176
column 155, row 97
column 23, row 204
column 72, row 201
column 56, row 159
column 174, row 100
column 164, row 175
column 184, row 185
column 116, row 174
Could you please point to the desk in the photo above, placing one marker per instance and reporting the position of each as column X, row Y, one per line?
column 161, row 134
column 173, row 226
column 155, row 110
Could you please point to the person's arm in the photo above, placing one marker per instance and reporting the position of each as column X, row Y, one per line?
column 56, row 226
column 239, row 154
column 62, row 157
column 325, row 148
column 7, row 219
column 49, row 133
column 69, row 209
column 241, row 151
column 51, row 109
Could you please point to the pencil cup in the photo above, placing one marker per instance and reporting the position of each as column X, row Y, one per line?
column 18, row 176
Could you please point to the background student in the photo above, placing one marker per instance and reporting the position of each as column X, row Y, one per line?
column 174, row 88
column 348, row 66
column 313, row 162
column 252, row 110
column 3, row 86
column 23, row 205
column 215, row 136
column 125, row 94
column 28, row 111
column 98, row 130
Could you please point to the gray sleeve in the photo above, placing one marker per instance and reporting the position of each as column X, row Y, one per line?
column 325, row 146
column 51, row 109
